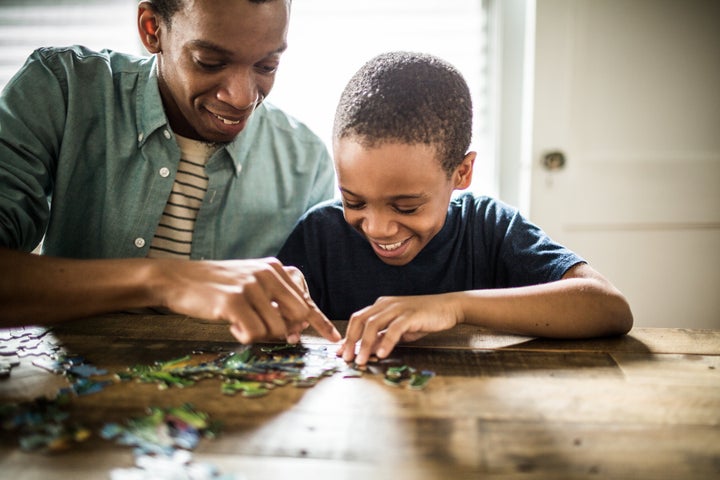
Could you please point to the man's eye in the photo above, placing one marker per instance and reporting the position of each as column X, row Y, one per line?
column 208, row 66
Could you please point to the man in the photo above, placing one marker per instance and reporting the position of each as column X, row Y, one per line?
column 174, row 157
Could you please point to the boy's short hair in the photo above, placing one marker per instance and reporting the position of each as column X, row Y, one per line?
column 409, row 98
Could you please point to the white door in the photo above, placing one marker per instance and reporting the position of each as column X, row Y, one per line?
column 629, row 92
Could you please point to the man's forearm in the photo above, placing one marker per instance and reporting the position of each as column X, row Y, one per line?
column 39, row 290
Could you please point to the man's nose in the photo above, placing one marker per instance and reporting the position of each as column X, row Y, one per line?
column 239, row 90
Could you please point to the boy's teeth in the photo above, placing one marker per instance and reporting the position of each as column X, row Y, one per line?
column 391, row 246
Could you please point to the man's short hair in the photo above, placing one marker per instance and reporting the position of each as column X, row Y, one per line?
column 167, row 8
column 409, row 98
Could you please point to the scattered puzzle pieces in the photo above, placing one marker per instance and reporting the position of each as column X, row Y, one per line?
column 394, row 374
column 77, row 371
column 177, row 466
column 22, row 342
column 163, row 430
column 6, row 367
column 253, row 371
column 42, row 425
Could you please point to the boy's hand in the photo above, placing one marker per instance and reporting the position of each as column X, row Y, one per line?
column 389, row 320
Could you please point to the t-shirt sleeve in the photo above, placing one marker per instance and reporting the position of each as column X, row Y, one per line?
column 523, row 253
column 293, row 251
column 305, row 245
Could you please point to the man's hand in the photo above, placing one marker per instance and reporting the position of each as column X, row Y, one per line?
column 261, row 299
column 390, row 320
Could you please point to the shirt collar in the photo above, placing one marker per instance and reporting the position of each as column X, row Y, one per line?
column 151, row 113
column 239, row 148
column 151, row 116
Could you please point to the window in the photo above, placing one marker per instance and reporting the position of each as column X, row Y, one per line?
column 328, row 41
column 28, row 24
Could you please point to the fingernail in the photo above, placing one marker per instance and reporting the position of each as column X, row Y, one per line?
column 293, row 338
column 381, row 352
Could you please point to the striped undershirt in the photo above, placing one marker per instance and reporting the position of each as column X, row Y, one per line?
column 173, row 238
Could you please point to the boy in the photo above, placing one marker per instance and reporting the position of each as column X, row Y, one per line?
column 400, row 258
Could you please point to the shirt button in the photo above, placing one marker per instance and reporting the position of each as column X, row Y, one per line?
column 140, row 137
column 139, row 242
column 167, row 134
column 164, row 172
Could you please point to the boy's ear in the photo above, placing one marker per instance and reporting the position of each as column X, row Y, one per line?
column 148, row 27
column 463, row 173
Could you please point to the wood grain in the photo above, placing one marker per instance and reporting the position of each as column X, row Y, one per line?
column 646, row 405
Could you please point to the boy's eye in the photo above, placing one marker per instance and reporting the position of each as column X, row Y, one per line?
column 406, row 211
column 266, row 69
column 353, row 205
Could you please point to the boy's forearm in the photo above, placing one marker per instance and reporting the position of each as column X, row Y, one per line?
column 569, row 308
column 39, row 290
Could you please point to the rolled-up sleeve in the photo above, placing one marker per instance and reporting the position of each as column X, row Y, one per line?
column 32, row 116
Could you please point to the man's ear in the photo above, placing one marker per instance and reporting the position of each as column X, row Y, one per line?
column 464, row 172
column 148, row 27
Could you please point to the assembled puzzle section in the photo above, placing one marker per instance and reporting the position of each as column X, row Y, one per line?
column 254, row 371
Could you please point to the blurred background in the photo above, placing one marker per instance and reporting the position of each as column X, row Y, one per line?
column 599, row 119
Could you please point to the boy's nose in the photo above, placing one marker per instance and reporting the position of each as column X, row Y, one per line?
column 379, row 226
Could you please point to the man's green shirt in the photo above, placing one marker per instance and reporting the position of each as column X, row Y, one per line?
column 88, row 160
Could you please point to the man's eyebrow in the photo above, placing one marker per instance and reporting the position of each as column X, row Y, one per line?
column 205, row 45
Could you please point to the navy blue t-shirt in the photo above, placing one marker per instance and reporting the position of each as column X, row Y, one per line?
column 483, row 244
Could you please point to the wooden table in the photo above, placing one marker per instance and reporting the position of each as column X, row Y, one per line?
column 646, row 405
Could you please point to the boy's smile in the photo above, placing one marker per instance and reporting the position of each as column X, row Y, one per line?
column 395, row 194
column 387, row 252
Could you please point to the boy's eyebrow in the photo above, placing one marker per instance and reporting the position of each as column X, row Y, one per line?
column 407, row 196
column 204, row 44
column 414, row 196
